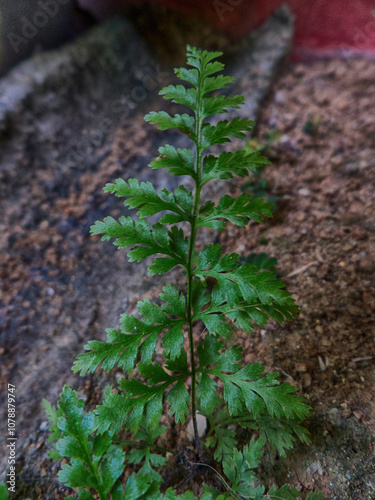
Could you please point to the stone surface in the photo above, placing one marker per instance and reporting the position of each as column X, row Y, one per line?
column 30, row 26
column 95, row 67
column 256, row 69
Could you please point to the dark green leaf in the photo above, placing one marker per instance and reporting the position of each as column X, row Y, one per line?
column 211, row 84
column 173, row 341
column 185, row 123
column 189, row 75
column 317, row 495
column 207, row 393
column 180, row 95
column 83, row 495
column 178, row 398
column 222, row 131
column 137, row 336
column 200, row 59
column 161, row 265
column 143, row 196
column 53, row 416
column 120, row 349
column 136, row 488
column 178, row 161
column 228, row 164
column 286, row 492
column 3, row 492
column 179, row 244
column 113, row 412
column 175, row 302
column 215, row 324
column 154, row 373
column 229, row 360
column 224, row 442
column 74, row 422
column 101, row 445
column 77, row 476
column 243, row 313
column 239, row 468
column 281, row 433
column 111, row 468
column 143, row 402
column 68, row 446
column 140, row 403
column 246, row 281
column 260, row 260
column 200, row 298
column 221, row 104
column 150, row 460
column 237, row 210
column 179, row 364
column 209, row 351
column 128, row 233
column 260, row 394
column 211, row 257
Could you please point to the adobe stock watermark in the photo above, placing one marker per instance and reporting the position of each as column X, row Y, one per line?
column 223, row 6
column 363, row 40
column 30, row 26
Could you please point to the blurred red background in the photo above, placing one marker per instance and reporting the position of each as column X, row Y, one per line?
column 321, row 25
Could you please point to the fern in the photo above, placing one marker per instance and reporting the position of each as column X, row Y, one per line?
column 243, row 295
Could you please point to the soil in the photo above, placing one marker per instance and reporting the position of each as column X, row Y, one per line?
column 323, row 237
column 62, row 287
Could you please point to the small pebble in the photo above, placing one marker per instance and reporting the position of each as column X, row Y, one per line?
column 201, row 424
column 315, row 468
column 304, row 192
column 44, row 426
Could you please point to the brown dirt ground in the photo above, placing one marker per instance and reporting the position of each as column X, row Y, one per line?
column 322, row 235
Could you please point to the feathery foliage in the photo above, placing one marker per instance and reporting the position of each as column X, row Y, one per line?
column 209, row 376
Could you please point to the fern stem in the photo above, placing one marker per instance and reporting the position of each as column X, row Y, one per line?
column 94, row 471
column 190, row 318
column 193, row 371
column 190, row 273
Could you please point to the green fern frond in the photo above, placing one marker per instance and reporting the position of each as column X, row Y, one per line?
column 175, row 372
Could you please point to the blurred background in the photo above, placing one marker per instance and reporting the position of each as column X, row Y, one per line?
column 30, row 26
